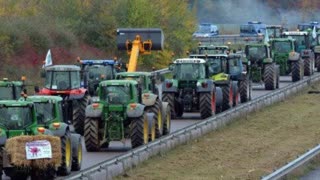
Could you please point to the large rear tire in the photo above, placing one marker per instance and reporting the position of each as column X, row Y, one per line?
column 270, row 77
column 205, row 105
column 157, row 110
column 308, row 67
column 66, row 150
column 169, row 98
column 76, row 152
column 297, row 71
column 91, row 134
column 139, row 131
column 318, row 62
column 167, row 121
column 78, row 116
column 244, row 90
column 227, row 97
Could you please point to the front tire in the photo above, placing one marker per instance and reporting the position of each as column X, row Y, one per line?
column 270, row 77
column 139, row 131
column 66, row 150
column 297, row 71
column 227, row 97
column 308, row 66
column 78, row 116
column 205, row 105
column 157, row 110
column 169, row 98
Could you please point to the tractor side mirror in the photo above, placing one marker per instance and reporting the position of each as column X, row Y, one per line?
column 36, row 89
column 43, row 74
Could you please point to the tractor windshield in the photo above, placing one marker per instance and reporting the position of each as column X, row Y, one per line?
column 256, row 52
column 234, row 66
column 215, row 65
column 15, row 117
column 301, row 41
column 117, row 94
column 282, row 46
column 189, row 71
column 6, row 93
column 45, row 112
column 99, row 72
column 62, row 80
column 274, row 32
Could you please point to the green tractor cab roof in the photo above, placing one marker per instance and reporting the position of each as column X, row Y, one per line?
column 128, row 74
column 189, row 60
column 118, row 82
column 14, row 103
column 63, row 68
column 40, row 98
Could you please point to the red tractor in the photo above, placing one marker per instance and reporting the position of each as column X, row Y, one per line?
column 64, row 81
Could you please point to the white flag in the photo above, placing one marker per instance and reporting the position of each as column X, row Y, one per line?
column 266, row 37
column 314, row 33
column 48, row 61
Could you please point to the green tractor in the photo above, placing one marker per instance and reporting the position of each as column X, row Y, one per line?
column 261, row 66
column 151, row 99
column 20, row 120
column 284, row 54
column 119, row 114
column 11, row 90
column 190, row 89
column 303, row 46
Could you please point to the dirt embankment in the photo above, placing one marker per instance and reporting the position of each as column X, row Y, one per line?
column 247, row 149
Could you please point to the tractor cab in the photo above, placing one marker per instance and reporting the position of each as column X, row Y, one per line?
column 11, row 90
column 257, row 53
column 190, row 69
column 16, row 117
column 302, row 39
column 275, row 31
column 95, row 71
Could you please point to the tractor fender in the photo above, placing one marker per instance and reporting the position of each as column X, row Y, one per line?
column 294, row 56
column 75, row 139
column 219, row 96
column 3, row 139
column 135, row 112
column 93, row 111
column 205, row 85
column 307, row 53
column 61, row 131
column 317, row 49
column 170, row 85
column 149, row 99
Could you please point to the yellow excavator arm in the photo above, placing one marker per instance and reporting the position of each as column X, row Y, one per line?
column 144, row 41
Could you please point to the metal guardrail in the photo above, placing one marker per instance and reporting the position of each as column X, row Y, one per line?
column 226, row 39
column 117, row 165
column 291, row 166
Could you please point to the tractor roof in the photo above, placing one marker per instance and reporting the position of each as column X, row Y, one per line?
column 213, row 47
column 6, row 83
column 40, row 98
column 118, row 82
column 63, row 68
column 14, row 103
column 204, row 56
column 189, row 60
column 97, row 62
column 139, row 73
column 295, row 33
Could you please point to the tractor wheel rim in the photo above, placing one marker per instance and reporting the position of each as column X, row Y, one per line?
column 145, row 131
column 159, row 120
column 79, row 154
column 68, row 153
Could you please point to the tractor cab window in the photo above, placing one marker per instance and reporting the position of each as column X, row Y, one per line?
column 62, row 80
column 45, row 112
column 257, row 52
column 189, row 71
column 282, row 46
column 6, row 92
column 100, row 72
column 274, row 32
column 234, row 65
column 215, row 65
column 299, row 39
column 16, row 117
column 117, row 94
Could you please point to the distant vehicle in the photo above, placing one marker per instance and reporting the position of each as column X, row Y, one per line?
column 252, row 28
column 206, row 30
column 306, row 26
